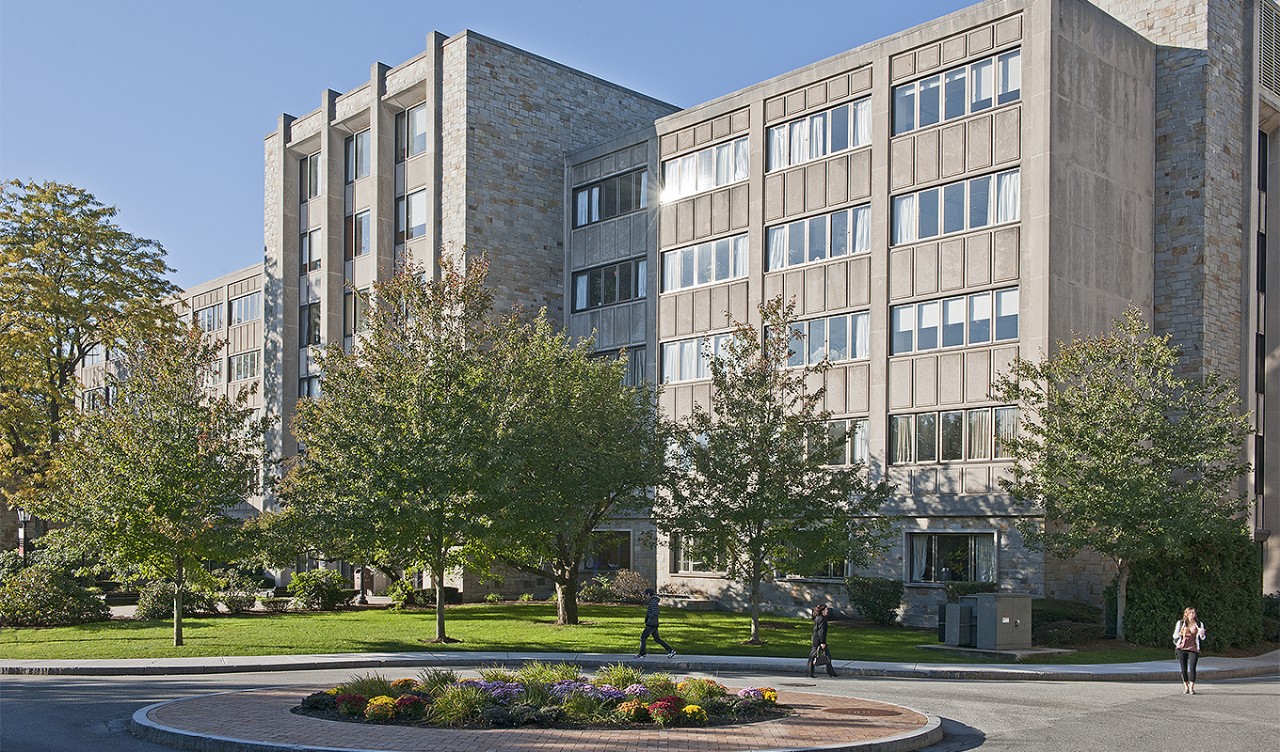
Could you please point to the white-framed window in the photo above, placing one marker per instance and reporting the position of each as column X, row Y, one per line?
column 685, row 559
column 820, row 134
column 356, row 235
column 614, row 283
column 308, row 387
column 704, row 263
column 354, row 312
column 611, row 197
column 980, row 433
column 609, row 551
column 952, row 556
column 93, row 356
column 839, row 338
column 308, row 324
column 957, row 207
column 357, row 156
column 825, row 236
column 209, row 318
column 309, row 177
column 856, row 445
column 412, row 217
column 690, row 359
column 309, row 251
column 246, row 308
column 411, row 132
column 975, row 319
column 707, row 168
column 246, row 365
column 957, row 92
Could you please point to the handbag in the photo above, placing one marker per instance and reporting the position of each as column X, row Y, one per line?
column 820, row 657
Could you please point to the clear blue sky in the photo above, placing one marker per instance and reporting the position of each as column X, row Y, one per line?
column 160, row 107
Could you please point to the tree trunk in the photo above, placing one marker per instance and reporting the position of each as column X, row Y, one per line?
column 755, row 605
column 567, row 597
column 1122, row 595
column 437, row 574
column 177, row 605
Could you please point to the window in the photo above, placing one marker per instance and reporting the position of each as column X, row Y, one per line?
column 309, row 177
column 411, row 132
column 957, row 207
column 210, row 318
column 96, row 399
column 837, row 338
column 616, row 283
column 690, row 359
column 621, row 194
column 685, row 557
column 952, row 557
column 309, row 252
column 966, row 319
column 356, row 236
column 308, row 387
column 246, row 308
column 702, row 264
column 608, row 551
column 829, row 132
column 819, row 238
column 411, row 216
column 246, row 365
column 705, row 169
column 309, row 324
column 94, row 355
column 357, row 156
column 855, row 446
column 214, row 377
column 355, row 305
column 958, row 92
column 952, row 435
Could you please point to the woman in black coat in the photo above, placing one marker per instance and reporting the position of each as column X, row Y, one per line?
column 818, row 646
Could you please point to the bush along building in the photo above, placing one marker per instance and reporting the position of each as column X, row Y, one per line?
column 937, row 202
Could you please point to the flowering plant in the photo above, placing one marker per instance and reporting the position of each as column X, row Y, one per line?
column 380, row 708
column 350, row 704
column 611, row 693
column 769, row 694
column 695, row 714
column 636, row 690
column 404, row 685
column 502, row 692
column 633, row 711
column 410, row 706
column 666, row 711
column 750, row 693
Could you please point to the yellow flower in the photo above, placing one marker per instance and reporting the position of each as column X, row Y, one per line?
column 769, row 694
column 695, row 713
column 381, row 708
column 333, row 691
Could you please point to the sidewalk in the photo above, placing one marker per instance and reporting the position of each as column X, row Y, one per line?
column 1210, row 667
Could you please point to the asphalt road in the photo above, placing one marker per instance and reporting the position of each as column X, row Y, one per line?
column 89, row 714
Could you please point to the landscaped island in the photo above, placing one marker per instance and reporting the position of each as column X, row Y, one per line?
column 548, row 695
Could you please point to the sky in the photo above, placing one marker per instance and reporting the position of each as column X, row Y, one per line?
column 159, row 107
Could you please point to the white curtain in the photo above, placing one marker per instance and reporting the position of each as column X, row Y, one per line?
column 862, row 122
column 904, row 219
column 817, row 136
column 688, row 359
column 777, row 147
column 979, row 433
column 861, row 229
column 670, row 362
column 671, row 271
column 799, row 142
column 1008, row 192
column 860, row 441
column 741, row 159
column 919, row 556
column 777, row 247
column 861, row 335
column 738, row 262
column 984, row 547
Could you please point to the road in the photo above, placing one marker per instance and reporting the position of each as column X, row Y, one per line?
column 89, row 714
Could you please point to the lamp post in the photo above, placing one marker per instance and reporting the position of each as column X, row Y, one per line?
column 363, row 601
column 23, row 518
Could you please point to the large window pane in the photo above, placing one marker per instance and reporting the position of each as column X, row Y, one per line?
column 741, row 159
column 777, row 244
column 796, row 242
column 1008, row 196
column 954, row 560
column 860, row 230
column 980, row 202
column 951, row 435
column 362, row 154
column 417, row 215
column 817, row 341
column 862, row 122
column 839, row 127
column 927, row 320
column 417, row 130
column 901, row 441
column 904, row 108
column 838, row 338
column 579, row 292
column 817, row 238
column 953, row 317
column 706, row 160
column 927, row 206
column 722, row 259
column 860, row 335
column 705, row 263
column 817, row 135
column 738, row 260
column 927, row 437
column 362, row 229
column 859, row 441
column 904, row 219
column 777, row 146
column 686, row 267
column 1007, row 314
column 930, row 101
column 979, row 318
column 839, row 233
column 953, row 208
column 1006, row 429
column 1010, row 76
column 957, row 97
column 795, row 342
column 903, row 326
column 982, row 85
column 724, row 164
column 979, row 433
column 799, row 142
column 671, row 271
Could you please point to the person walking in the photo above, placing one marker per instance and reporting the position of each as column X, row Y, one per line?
column 651, row 627
column 818, row 650
column 1187, row 634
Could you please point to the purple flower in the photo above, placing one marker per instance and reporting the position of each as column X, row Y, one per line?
column 636, row 690
column 502, row 692
column 750, row 693
column 566, row 687
column 610, row 692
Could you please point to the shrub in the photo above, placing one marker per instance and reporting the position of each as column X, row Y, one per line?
column 320, row 589
column 541, row 672
column 493, row 598
column 1217, row 576
column 10, row 563
column 632, row 711
column 659, row 685
column 525, row 598
column 629, row 586
column 434, row 680
column 876, row 598
column 1047, row 610
column 667, row 711
column 155, row 601
column 349, row 704
column 459, row 704
column 319, row 701
column 596, row 593
column 276, row 605
column 499, row 716
column 381, row 708
column 953, row 590
column 404, row 595
column 497, row 674
column 695, row 715
column 1271, row 617
column 583, row 708
column 37, row 597
column 619, row 675
column 700, row 691
column 401, row 686
column 410, row 706
column 1057, row 633
column 368, row 685
column 238, row 592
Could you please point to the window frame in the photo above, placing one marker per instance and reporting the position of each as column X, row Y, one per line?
column 638, row 285
column 915, row 537
column 235, row 373
column 942, row 426
column 903, row 121
column 927, row 206
column 778, row 137
column 739, row 250
column 236, row 306
column 594, row 194
column 781, row 235
column 687, row 167
column 945, row 305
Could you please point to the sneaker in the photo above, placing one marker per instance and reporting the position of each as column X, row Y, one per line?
column 639, row 655
column 671, row 654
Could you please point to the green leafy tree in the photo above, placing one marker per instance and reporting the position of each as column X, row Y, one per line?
column 152, row 480
column 69, row 276
column 1125, row 456
column 393, row 444
column 574, row 446
column 751, row 487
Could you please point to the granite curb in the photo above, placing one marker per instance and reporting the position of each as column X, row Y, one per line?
column 1210, row 667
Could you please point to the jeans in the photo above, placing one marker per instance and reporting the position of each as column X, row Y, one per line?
column 1187, row 662
column 652, row 629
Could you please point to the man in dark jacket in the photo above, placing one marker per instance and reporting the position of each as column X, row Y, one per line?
column 651, row 626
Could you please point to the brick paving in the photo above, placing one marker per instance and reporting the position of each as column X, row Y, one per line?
column 263, row 717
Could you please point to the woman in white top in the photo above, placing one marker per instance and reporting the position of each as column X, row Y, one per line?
column 1187, row 634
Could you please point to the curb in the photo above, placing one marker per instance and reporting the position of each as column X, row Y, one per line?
column 143, row 727
column 1267, row 665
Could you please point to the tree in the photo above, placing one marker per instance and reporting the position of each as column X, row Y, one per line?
column 150, row 480
column 574, row 447
column 392, row 446
column 69, row 276
column 751, row 487
column 1125, row 457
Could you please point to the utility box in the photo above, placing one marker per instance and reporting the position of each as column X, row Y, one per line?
column 1003, row 621
column 960, row 625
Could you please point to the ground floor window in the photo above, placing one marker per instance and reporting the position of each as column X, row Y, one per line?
column 686, row 557
column 610, row 551
column 948, row 557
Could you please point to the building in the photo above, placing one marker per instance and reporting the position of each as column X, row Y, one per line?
column 938, row 202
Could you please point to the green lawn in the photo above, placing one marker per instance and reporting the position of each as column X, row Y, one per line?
column 605, row 629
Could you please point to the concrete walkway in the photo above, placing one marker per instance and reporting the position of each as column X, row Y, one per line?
column 1210, row 668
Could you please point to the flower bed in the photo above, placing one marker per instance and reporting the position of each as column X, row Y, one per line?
column 549, row 695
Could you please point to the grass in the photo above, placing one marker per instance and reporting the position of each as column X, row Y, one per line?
column 523, row 627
